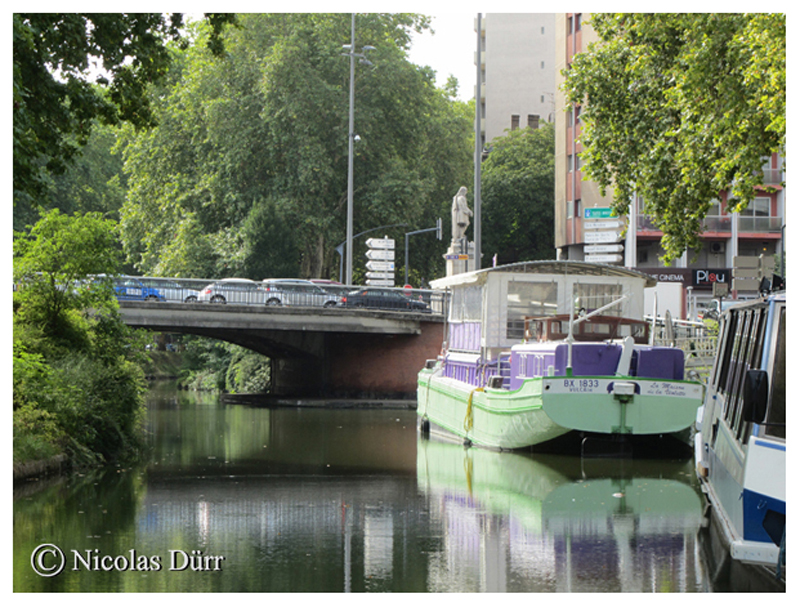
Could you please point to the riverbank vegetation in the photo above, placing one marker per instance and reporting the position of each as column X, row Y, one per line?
column 78, row 383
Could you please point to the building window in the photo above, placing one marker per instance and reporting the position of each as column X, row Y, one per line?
column 758, row 217
column 569, row 163
column 542, row 64
column 514, row 122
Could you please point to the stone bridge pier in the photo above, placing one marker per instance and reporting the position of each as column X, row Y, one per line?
column 359, row 365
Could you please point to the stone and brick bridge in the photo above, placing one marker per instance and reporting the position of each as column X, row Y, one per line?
column 315, row 352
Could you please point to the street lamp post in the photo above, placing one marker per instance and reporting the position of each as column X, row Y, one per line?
column 351, row 137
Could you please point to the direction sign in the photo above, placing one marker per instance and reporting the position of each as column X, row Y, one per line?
column 380, row 283
column 603, row 248
column 597, row 213
column 380, row 266
column 461, row 256
column 381, row 275
column 601, row 237
column 610, row 224
column 380, row 243
column 604, row 258
column 384, row 254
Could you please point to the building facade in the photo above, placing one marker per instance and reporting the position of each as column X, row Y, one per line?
column 583, row 230
column 517, row 72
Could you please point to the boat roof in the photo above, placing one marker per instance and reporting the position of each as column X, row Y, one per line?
column 564, row 267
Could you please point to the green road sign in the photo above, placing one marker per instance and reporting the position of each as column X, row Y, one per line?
column 597, row 213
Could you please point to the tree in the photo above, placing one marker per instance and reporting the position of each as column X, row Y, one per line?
column 267, row 127
column 517, row 190
column 56, row 99
column 92, row 182
column 678, row 108
column 78, row 383
column 53, row 264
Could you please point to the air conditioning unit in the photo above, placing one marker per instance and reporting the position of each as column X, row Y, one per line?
column 717, row 247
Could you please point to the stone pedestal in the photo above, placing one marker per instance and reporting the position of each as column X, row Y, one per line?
column 460, row 257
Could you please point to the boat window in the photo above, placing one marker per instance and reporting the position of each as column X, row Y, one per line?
column 724, row 351
column 593, row 296
column 529, row 299
column 466, row 304
column 744, row 336
column 776, row 413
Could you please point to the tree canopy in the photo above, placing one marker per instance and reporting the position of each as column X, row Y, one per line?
column 678, row 108
column 72, row 70
column 246, row 172
column 517, row 192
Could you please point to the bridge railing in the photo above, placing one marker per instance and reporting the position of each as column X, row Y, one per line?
column 211, row 291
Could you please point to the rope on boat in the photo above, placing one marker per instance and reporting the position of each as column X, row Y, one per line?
column 468, row 418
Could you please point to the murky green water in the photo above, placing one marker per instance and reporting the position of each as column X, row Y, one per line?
column 237, row 498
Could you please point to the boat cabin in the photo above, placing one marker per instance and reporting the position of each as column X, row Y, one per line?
column 594, row 328
column 488, row 308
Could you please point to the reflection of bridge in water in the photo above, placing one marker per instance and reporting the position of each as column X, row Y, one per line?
column 315, row 351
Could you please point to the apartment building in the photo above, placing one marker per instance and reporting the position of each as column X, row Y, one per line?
column 517, row 72
column 583, row 231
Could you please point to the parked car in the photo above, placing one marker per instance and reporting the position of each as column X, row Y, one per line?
column 128, row 288
column 296, row 292
column 170, row 289
column 236, row 291
column 332, row 286
column 383, row 298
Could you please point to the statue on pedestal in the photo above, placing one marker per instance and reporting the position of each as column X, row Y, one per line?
column 461, row 214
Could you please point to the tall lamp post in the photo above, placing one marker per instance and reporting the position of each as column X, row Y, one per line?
column 351, row 138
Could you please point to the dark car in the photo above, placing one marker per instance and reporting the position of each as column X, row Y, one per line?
column 134, row 289
column 385, row 299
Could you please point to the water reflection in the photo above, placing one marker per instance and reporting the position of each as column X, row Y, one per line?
column 353, row 500
column 557, row 523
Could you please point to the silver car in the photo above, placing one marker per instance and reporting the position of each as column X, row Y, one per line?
column 171, row 290
column 235, row 291
column 296, row 292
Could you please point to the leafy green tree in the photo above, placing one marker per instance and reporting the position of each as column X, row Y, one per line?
column 245, row 133
column 92, row 182
column 58, row 100
column 517, row 190
column 53, row 261
column 679, row 107
column 78, row 383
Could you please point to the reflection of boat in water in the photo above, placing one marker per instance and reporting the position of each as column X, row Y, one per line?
column 740, row 447
column 567, row 523
column 538, row 349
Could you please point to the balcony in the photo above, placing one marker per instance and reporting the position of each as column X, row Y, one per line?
column 770, row 225
column 773, row 177
column 722, row 223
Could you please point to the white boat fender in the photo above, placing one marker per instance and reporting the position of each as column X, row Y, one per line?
column 624, row 366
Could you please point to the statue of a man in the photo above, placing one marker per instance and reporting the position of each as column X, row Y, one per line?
column 461, row 214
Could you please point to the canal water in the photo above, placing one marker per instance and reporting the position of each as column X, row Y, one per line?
column 242, row 498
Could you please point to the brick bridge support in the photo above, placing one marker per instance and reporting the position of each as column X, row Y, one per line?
column 360, row 365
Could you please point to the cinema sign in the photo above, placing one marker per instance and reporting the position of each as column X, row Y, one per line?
column 705, row 278
column 697, row 278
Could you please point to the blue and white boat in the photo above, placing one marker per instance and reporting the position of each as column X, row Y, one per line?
column 740, row 445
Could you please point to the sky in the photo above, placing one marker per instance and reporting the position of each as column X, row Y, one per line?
column 450, row 50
